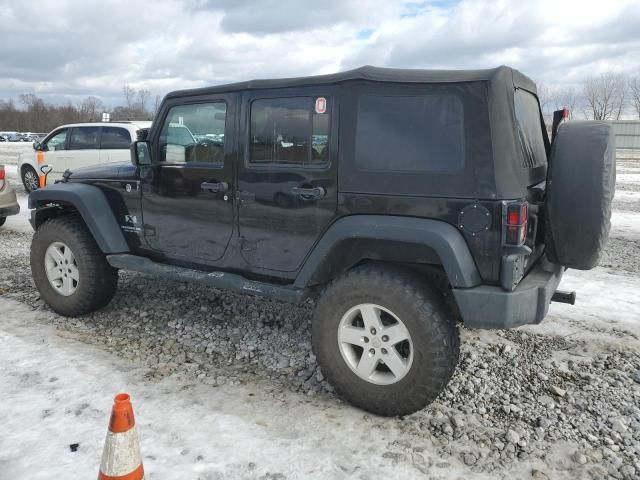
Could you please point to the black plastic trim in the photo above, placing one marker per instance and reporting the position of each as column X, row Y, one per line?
column 492, row 307
column 92, row 205
column 442, row 237
column 223, row 280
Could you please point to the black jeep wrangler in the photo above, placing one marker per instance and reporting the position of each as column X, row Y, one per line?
column 404, row 201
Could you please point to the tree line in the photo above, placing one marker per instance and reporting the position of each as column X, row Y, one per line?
column 32, row 114
column 608, row 96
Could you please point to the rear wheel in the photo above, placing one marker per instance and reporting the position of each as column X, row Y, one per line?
column 385, row 340
column 30, row 179
column 69, row 270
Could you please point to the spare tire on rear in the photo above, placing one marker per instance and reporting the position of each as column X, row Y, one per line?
column 580, row 186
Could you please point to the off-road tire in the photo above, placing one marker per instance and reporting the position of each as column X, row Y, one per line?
column 97, row 279
column 27, row 187
column 426, row 315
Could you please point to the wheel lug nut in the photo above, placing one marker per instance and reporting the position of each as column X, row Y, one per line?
column 384, row 351
column 365, row 339
column 373, row 331
column 385, row 338
column 372, row 351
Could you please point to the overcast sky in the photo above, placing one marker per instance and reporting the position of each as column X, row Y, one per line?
column 61, row 49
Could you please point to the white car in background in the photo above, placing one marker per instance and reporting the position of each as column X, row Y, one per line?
column 78, row 145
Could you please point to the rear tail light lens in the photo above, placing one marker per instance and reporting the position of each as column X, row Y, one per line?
column 2, row 175
column 516, row 222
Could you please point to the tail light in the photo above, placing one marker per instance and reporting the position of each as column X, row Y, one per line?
column 515, row 223
column 2, row 176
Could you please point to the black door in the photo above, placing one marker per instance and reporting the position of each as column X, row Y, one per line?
column 287, row 181
column 187, row 191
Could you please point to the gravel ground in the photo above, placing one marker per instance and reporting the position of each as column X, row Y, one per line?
column 519, row 399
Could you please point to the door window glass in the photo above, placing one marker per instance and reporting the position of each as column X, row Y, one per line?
column 194, row 133
column 288, row 132
column 57, row 142
column 115, row 138
column 84, row 138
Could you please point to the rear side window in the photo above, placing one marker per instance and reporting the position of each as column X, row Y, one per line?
column 530, row 129
column 115, row 138
column 289, row 131
column 411, row 134
column 84, row 138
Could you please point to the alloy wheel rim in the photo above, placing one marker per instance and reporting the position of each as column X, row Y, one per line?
column 31, row 179
column 62, row 269
column 375, row 344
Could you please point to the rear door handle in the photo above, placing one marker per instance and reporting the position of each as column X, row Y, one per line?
column 312, row 192
column 215, row 187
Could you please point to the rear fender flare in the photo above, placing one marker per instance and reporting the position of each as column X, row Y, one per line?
column 93, row 207
column 386, row 237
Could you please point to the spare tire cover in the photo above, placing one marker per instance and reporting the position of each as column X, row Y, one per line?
column 580, row 186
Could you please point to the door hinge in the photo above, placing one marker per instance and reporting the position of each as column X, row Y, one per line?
column 149, row 231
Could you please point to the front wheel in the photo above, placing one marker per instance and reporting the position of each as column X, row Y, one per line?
column 385, row 340
column 69, row 270
column 30, row 179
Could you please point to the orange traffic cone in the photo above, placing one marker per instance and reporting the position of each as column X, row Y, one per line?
column 121, row 458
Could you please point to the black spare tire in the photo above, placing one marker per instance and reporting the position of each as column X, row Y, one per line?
column 580, row 187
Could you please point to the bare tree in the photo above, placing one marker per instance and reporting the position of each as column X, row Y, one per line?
column 566, row 97
column 544, row 96
column 91, row 108
column 605, row 96
column 156, row 105
column 634, row 91
column 129, row 96
column 143, row 97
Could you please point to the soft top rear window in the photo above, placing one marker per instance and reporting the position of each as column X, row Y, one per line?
column 530, row 129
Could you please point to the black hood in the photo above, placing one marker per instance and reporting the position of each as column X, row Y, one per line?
column 101, row 172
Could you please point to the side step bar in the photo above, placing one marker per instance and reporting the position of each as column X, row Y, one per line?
column 222, row 280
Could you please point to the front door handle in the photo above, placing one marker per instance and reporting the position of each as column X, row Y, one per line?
column 308, row 193
column 215, row 187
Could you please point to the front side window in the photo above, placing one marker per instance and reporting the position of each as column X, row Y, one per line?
column 57, row 142
column 410, row 134
column 115, row 138
column 194, row 133
column 289, row 131
column 84, row 138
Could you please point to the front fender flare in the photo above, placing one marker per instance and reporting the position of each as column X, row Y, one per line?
column 93, row 207
column 443, row 238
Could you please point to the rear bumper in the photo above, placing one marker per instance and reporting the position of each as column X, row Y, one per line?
column 493, row 307
column 8, row 202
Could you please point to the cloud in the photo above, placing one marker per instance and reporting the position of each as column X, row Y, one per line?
column 67, row 49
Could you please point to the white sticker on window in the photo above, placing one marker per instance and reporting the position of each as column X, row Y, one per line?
column 321, row 105
column 175, row 153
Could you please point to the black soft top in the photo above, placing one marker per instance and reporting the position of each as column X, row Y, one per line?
column 499, row 75
column 496, row 163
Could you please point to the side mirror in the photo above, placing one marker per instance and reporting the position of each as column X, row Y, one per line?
column 140, row 153
column 36, row 146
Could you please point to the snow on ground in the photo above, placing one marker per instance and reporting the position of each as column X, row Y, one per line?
column 212, row 402
column 57, row 391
